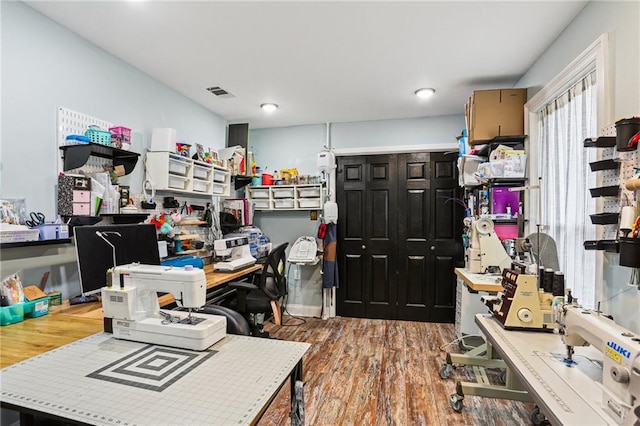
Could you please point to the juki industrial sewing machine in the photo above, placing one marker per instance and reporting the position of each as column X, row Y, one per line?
column 234, row 252
column 521, row 305
column 621, row 350
column 132, row 312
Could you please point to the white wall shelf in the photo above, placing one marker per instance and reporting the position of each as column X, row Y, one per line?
column 173, row 172
column 286, row 197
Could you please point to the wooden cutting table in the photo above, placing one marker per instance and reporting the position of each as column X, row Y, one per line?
column 65, row 324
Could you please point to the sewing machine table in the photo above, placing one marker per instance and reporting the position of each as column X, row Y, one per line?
column 565, row 395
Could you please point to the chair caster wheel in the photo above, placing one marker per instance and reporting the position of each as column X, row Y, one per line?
column 455, row 401
column 445, row 371
column 537, row 418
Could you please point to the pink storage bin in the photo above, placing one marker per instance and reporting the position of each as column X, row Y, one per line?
column 506, row 231
column 120, row 136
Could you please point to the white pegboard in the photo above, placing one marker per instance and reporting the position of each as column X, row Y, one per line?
column 629, row 164
column 75, row 123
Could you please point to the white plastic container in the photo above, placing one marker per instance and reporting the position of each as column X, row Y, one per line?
column 178, row 167
column 313, row 192
column 259, row 192
column 200, row 186
column 163, row 140
column 178, row 182
column 218, row 188
column 200, row 172
column 282, row 192
column 283, row 204
column 218, row 176
column 309, row 203
column 261, row 204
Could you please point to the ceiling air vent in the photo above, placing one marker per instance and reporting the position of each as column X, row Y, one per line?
column 219, row 92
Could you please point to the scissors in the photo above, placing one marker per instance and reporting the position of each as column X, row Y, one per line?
column 37, row 218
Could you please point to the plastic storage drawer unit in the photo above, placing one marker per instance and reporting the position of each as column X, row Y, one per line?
column 11, row 314
column 36, row 308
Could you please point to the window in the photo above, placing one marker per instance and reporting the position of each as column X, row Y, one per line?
column 570, row 108
column 563, row 125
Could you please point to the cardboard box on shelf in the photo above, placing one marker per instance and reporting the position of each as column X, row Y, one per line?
column 491, row 113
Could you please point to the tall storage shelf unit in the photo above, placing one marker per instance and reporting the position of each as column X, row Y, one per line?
column 286, row 197
column 173, row 172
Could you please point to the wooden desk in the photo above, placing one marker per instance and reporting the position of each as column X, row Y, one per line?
column 480, row 282
column 65, row 324
column 215, row 279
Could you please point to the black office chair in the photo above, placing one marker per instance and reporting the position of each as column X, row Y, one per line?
column 261, row 299
column 236, row 323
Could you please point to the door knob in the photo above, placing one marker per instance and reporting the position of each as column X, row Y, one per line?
column 433, row 248
column 364, row 247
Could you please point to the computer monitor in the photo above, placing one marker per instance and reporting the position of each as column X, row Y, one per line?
column 135, row 243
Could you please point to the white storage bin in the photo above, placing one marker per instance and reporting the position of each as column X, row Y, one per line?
column 283, row 204
column 201, row 172
column 219, row 176
column 218, row 188
column 200, row 186
column 178, row 182
column 309, row 203
column 282, row 192
column 178, row 167
column 309, row 192
column 261, row 204
column 259, row 192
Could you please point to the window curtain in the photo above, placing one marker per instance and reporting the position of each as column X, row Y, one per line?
column 566, row 178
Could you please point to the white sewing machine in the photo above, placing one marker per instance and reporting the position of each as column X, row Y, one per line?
column 235, row 252
column 621, row 367
column 485, row 253
column 132, row 312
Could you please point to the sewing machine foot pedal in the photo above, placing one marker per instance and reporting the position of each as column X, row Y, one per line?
column 537, row 418
column 455, row 400
column 445, row 371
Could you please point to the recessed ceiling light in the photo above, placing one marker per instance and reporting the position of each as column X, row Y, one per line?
column 425, row 93
column 269, row 107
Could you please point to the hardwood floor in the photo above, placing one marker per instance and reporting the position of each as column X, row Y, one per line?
column 380, row 372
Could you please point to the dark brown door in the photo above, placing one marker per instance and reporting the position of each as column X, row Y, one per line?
column 398, row 236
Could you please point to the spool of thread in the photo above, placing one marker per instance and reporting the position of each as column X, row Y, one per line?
column 540, row 277
column 627, row 218
column 547, row 282
column 558, row 283
column 632, row 184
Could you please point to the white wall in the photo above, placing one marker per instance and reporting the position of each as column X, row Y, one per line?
column 277, row 148
column 620, row 21
column 44, row 67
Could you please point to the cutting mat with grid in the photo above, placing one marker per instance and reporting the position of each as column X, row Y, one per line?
column 105, row 381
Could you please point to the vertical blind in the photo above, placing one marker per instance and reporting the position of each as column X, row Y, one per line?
column 563, row 124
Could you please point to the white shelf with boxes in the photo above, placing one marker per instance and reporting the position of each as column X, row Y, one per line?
column 173, row 172
column 286, row 197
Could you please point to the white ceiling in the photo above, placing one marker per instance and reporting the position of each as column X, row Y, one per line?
column 322, row 61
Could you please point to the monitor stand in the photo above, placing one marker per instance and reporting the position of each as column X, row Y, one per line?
column 83, row 299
